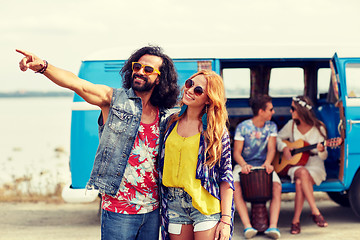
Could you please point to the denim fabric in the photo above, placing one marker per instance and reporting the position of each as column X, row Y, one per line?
column 210, row 177
column 117, row 138
column 180, row 209
column 117, row 226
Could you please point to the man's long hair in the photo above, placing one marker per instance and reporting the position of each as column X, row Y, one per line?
column 165, row 94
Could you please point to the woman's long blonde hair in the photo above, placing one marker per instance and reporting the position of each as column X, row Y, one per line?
column 217, row 116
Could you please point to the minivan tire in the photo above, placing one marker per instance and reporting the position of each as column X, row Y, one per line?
column 340, row 198
column 354, row 194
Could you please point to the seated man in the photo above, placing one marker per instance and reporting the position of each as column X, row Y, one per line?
column 254, row 146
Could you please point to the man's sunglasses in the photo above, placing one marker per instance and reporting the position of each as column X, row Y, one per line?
column 148, row 70
column 197, row 90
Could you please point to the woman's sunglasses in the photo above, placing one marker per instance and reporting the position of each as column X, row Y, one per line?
column 292, row 108
column 148, row 70
column 197, row 90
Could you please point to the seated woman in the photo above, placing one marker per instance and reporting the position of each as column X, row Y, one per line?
column 195, row 166
column 304, row 125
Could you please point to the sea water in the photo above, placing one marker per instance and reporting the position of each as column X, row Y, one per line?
column 34, row 144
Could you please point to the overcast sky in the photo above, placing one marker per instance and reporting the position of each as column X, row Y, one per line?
column 65, row 32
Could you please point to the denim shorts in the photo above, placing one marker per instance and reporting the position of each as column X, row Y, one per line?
column 181, row 211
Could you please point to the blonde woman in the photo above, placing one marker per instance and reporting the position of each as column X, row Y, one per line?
column 195, row 167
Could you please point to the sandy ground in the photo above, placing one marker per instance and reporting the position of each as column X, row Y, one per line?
column 58, row 221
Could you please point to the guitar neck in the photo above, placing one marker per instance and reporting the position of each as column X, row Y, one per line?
column 303, row 149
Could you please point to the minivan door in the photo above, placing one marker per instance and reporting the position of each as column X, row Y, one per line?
column 347, row 72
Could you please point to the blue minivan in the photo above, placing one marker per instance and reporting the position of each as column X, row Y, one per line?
column 333, row 84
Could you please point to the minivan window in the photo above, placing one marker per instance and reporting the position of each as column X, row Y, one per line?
column 286, row 82
column 324, row 77
column 353, row 80
column 237, row 82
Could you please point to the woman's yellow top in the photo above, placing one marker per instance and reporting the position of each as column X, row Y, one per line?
column 181, row 156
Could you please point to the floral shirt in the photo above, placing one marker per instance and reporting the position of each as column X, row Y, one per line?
column 255, row 140
column 138, row 191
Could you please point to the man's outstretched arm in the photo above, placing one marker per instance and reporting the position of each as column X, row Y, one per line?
column 95, row 94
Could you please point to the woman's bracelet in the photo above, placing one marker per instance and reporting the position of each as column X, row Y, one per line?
column 224, row 222
column 224, row 215
column 43, row 69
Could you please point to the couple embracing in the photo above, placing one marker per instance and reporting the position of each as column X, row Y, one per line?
column 148, row 161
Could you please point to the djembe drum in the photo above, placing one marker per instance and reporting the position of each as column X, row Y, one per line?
column 256, row 188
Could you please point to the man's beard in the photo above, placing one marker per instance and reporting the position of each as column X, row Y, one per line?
column 296, row 121
column 144, row 88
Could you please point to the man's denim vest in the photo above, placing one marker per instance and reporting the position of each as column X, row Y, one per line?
column 116, row 139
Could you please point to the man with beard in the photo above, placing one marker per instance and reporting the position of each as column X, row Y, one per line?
column 131, row 122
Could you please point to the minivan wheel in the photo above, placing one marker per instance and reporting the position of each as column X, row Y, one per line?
column 354, row 194
column 340, row 198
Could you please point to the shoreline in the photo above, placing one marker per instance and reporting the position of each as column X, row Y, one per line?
column 35, row 94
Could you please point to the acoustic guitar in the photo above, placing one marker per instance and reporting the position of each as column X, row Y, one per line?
column 300, row 154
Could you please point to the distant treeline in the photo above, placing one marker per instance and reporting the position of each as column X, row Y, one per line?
column 34, row 94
